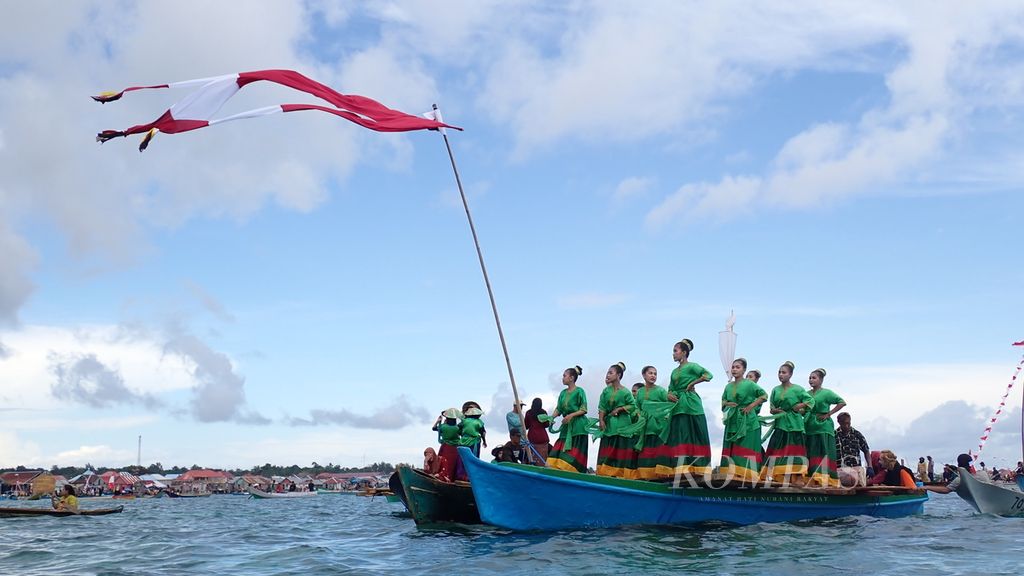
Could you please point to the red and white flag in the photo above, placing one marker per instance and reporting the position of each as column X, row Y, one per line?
column 198, row 108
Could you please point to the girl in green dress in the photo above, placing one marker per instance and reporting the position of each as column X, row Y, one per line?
column 687, row 448
column 786, row 457
column 616, row 411
column 653, row 446
column 448, row 435
column 741, row 446
column 570, row 450
column 473, row 431
column 820, row 433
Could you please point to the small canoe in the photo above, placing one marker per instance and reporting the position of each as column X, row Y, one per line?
column 989, row 498
column 337, row 492
column 257, row 493
column 431, row 500
column 519, row 497
column 175, row 495
column 11, row 512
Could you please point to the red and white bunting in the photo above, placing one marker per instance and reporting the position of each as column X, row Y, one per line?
column 1002, row 403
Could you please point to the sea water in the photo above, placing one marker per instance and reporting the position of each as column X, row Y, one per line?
column 357, row 535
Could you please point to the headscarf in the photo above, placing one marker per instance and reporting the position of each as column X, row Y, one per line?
column 431, row 463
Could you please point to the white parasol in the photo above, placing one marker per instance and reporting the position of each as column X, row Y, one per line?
column 727, row 343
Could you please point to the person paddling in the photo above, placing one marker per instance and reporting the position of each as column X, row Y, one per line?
column 68, row 502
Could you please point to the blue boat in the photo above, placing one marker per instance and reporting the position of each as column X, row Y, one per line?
column 519, row 497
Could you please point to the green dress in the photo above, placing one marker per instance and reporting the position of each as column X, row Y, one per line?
column 617, row 454
column 687, row 447
column 786, row 455
column 449, row 434
column 472, row 431
column 820, row 437
column 570, row 450
column 656, row 411
column 741, row 444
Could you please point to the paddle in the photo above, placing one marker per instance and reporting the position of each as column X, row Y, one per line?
column 42, row 486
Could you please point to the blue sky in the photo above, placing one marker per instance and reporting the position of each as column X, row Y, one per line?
column 295, row 289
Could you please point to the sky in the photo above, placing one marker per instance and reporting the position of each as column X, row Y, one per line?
column 846, row 177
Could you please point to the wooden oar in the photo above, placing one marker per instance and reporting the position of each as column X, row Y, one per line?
column 42, row 486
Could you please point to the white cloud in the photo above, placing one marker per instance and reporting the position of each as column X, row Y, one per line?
column 15, row 285
column 631, row 188
column 141, row 363
column 15, row 451
column 100, row 455
column 931, row 99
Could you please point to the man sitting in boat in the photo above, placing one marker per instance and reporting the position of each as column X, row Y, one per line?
column 511, row 451
column 68, row 502
column 962, row 461
column 850, row 444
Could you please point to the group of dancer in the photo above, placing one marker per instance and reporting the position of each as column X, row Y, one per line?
column 455, row 428
column 654, row 433
column 660, row 433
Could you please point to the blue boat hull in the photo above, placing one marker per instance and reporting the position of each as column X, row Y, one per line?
column 521, row 498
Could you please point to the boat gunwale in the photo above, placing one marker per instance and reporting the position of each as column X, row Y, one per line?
column 724, row 495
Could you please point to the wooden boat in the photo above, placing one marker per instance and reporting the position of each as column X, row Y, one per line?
column 326, row 492
column 519, row 497
column 395, row 483
column 431, row 500
column 257, row 493
column 11, row 512
column 176, row 495
column 990, row 498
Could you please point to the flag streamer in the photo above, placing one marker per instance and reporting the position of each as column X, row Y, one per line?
column 198, row 108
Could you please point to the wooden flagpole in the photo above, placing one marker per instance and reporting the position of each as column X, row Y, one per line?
column 483, row 268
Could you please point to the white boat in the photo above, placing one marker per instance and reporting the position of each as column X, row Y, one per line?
column 990, row 498
column 257, row 493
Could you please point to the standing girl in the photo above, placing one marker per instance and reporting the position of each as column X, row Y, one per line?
column 786, row 457
column 448, row 435
column 653, row 445
column 570, row 450
column 616, row 411
column 741, row 445
column 820, row 432
column 688, row 447
column 473, row 431
column 537, row 433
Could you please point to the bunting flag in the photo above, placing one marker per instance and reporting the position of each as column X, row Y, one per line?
column 1002, row 404
column 198, row 108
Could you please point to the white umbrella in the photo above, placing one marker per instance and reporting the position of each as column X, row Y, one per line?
column 727, row 343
